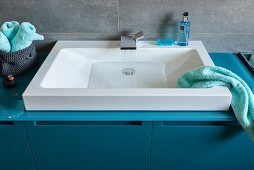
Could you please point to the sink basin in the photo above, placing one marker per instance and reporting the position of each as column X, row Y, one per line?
column 97, row 75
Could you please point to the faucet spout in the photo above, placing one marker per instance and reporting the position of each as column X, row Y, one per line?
column 138, row 36
column 129, row 42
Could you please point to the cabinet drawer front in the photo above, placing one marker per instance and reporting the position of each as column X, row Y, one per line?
column 15, row 152
column 200, row 123
column 88, row 123
column 200, row 145
column 93, row 145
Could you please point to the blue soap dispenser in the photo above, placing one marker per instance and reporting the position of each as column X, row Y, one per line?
column 184, row 30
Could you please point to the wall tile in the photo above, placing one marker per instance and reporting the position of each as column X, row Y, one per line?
column 214, row 42
column 207, row 16
column 64, row 16
column 222, row 25
column 51, row 38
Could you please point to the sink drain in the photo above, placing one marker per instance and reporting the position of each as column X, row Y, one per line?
column 128, row 71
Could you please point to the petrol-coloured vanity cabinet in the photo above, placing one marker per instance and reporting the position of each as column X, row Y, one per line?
column 15, row 153
column 90, row 145
column 201, row 145
column 114, row 145
column 161, row 141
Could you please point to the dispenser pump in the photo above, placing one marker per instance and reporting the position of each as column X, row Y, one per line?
column 185, row 17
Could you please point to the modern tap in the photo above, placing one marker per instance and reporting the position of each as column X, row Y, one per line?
column 129, row 42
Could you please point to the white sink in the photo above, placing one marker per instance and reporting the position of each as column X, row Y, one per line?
column 97, row 75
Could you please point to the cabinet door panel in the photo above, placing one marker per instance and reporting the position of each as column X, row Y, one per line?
column 14, row 147
column 201, row 145
column 90, row 145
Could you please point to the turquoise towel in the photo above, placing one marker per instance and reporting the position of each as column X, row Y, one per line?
column 25, row 36
column 252, row 60
column 4, row 43
column 10, row 29
column 242, row 96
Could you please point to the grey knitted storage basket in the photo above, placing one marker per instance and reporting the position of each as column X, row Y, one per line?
column 16, row 63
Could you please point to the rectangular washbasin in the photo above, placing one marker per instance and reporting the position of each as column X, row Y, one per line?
column 97, row 75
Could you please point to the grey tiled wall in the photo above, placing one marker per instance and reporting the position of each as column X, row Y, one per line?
column 222, row 25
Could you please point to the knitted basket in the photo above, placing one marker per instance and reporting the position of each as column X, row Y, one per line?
column 17, row 63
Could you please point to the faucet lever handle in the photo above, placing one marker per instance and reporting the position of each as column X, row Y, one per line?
column 138, row 36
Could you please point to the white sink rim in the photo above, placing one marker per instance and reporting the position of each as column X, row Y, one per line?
column 35, row 92
column 100, row 67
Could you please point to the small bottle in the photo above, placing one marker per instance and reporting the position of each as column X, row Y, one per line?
column 9, row 81
column 184, row 30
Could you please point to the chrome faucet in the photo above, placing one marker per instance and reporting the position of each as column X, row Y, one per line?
column 129, row 42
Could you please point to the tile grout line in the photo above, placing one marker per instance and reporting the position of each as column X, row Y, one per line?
column 118, row 16
column 78, row 33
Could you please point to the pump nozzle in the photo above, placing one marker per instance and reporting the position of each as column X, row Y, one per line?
column 186, row 14
column 185, row 17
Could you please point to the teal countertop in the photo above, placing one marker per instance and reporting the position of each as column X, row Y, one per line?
column 12, row 106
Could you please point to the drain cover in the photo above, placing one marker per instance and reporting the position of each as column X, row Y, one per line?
column 128, row 71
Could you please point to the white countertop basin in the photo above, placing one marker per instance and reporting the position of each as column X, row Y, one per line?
column 97, row 75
